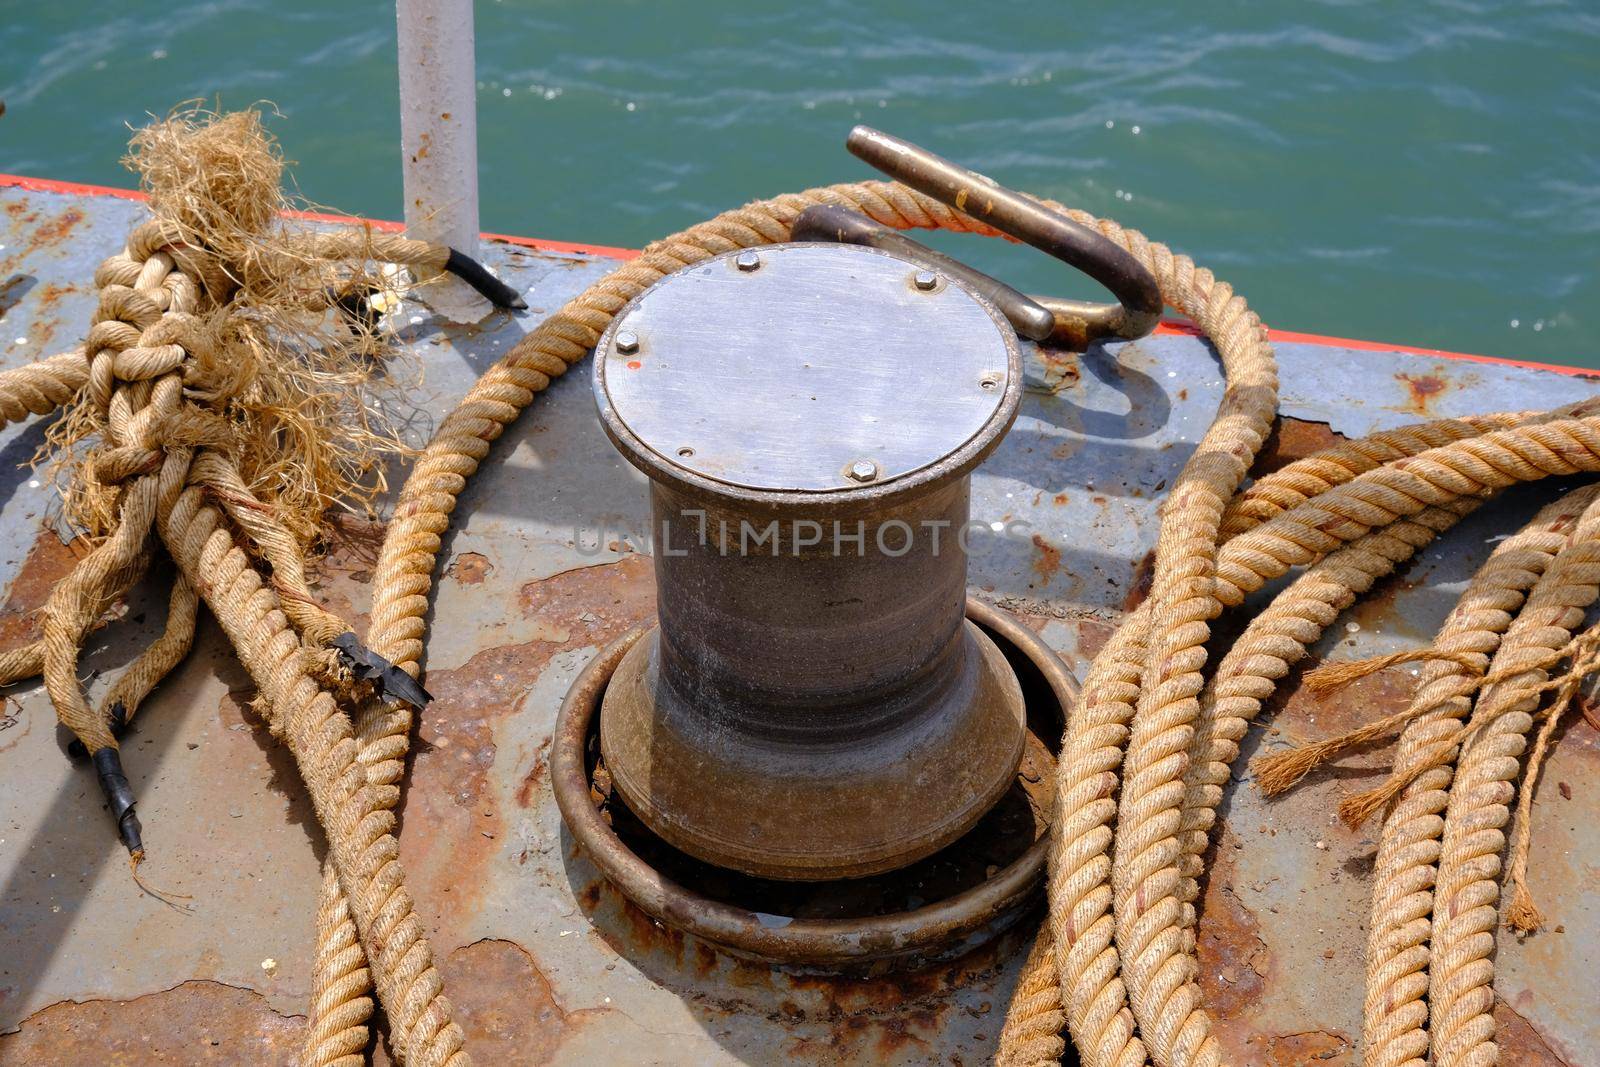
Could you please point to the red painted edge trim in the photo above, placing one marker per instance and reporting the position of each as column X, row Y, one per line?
column 1290, row 337
column 49, row 185
column 1167, row 327
column 46, row 185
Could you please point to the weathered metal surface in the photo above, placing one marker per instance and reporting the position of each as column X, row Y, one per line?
column 951, row 902
column 783, row 373
column 813, row 704
column 544, row 961
column 1075, row 323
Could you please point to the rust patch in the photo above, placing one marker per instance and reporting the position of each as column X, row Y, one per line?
column 50, row 295
column 341, row 575
column 1046, row 560
column 198, row 1022
column 453, row 826
column 1382, row 609
column 1092, row 637
column 1291, row 440
column 1303, row 713
column 1144, row 575
column 641, row 930
column 470, row 568
column 912, row 1037
column 1060, row 369
column 535, row 776
column 1234, row 960
column 600, row 602
column 46, row 312
column 1521, row 1043
column 1421, row 389
column 504, row 1005
column 51, row 233
column 873, row 1015
column 1310, row 1047
column 47, row 562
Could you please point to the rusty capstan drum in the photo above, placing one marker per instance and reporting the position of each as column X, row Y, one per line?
column 813, row 703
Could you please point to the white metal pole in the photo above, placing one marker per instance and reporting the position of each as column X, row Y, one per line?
column 439, row 134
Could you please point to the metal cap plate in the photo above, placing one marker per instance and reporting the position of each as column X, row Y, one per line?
column 807, row 367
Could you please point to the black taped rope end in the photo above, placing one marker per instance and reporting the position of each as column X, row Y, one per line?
column 389, row 680
column 355, row 304
column 116, row 716
column 491, row 288
column 119, row 795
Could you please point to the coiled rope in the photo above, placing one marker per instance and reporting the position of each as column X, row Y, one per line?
column 1115, row 961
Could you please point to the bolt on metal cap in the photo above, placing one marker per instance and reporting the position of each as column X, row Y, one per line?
column 863, row 470
column 925, row 280
column 627, row 342
column 748, row 260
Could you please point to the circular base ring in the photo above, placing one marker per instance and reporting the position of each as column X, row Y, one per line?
column 956, row 923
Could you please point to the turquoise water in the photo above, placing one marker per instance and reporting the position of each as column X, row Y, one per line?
column 1422, row 173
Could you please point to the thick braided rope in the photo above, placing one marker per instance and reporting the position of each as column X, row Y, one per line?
column 39, row 388
column 1085, row 802
column 1087, row 779
column 131, row 378
column 1181, row 605
column 275, row 544
column 1471, row 467
column 360, row 832
column 1394, row 1029
column 340, row 1007
column 1081, row 912
column 341, row 987
column 1080, row 929
column 1162, row 928
column 1274, row 641
column 1466, row 901
column 1149, row 923
column 1034, row 1020
column 1321, row 471
column 162, row 655
column 1279, row 637
column 1477, row 466
column 1239, row 686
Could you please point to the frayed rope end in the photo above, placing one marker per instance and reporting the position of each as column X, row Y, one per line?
column 1281, row 771
column 1329, row 677
column 1523, row 915
column 1357, row 809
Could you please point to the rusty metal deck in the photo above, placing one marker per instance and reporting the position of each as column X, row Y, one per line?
column 544, row 962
